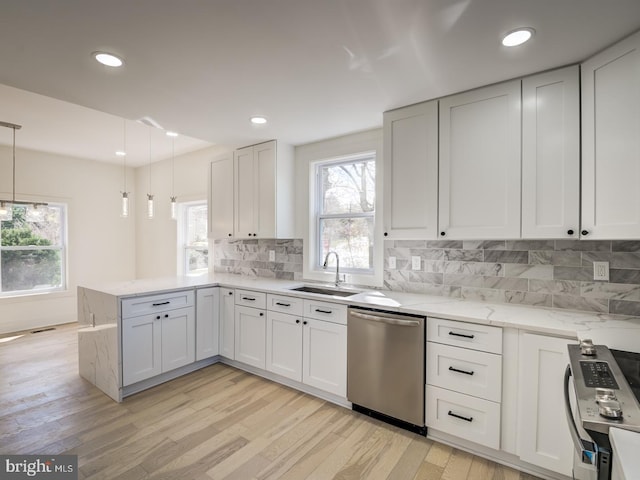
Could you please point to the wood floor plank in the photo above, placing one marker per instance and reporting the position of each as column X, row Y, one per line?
column 215, row 423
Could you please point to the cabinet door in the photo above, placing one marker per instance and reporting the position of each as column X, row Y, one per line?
column 611, row 143
column 178, row 338
column 221, row 198
column 207, row 322
column 245, row 199
column 480, row 163
column 551, row 154
column 411, row 172
column 264, row 161
column 284, row 345
column 324, row 357
column 543, row 433
column 251, row 336
column 141, row 348
column 227, row 323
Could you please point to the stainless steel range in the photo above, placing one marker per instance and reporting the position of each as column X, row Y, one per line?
column 603, row 398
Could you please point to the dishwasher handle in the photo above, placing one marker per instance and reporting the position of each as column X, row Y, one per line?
column 387, row 320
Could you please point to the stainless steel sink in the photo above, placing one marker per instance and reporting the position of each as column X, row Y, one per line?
column 324, row 291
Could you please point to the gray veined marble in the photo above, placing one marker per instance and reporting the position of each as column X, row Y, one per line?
column 584, row 245
column 571, row 302
column 567, row 287
column 506, row 256
column 625, row 245
column 558, row 258
column 611, row 291
column 625, row 260
column 474, row 268
column 539, row 272
column 589, row 257
column 464, row 255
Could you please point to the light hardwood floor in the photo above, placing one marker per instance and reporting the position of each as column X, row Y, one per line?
column 216, row 423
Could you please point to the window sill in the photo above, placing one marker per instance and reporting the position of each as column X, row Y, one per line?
column 35, row 296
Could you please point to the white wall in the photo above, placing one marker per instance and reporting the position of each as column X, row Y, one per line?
column 101, row 244
column 156, row 239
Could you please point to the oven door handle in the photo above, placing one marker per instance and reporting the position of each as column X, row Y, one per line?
column 587, row 449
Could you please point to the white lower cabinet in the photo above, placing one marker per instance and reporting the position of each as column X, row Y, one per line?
column 284, row 345
column 543, row 433
column 251, row 335
column 227, row 342
column 207, row 322
column 324, row 357
column 157, row 343
column 464, row 416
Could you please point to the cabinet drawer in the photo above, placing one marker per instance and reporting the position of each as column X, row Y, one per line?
column 463, row 334
column 251, row 299
column 465, row 371
column 290, row 305
column 331, row 312
column 463, row 416
column 133, row 307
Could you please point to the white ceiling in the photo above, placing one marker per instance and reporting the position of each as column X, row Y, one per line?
column 314, row 68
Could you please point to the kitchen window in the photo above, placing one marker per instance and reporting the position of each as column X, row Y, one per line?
column 33, row 250
column 193, row 249
column 345, row 212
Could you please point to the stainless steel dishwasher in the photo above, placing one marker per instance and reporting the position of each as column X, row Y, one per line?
column 385, row 366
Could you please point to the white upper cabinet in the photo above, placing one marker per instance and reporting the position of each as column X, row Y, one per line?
column 221, row 198
column 264, row 191
column 611, row 142
column 551, row 154
column 480, row 163
column 411, row 172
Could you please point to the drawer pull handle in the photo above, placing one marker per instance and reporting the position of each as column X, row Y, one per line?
column 161, row 303
column 453, row 369
column 454, row 334
column 283, row 304
column 466, row 419
column 251, row 299
column 322, row 311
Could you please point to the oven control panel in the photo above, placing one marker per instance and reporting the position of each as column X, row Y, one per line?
column 598, row 375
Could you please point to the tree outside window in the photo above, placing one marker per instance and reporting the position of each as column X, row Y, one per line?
column 346, row 212
column 32, row 253
column 195, row 243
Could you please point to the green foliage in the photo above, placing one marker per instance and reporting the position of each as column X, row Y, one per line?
column 26, row 269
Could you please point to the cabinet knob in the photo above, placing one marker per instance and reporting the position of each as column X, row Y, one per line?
column 585, row 232
column 304, row 323
column 261, row 314
column 158, row 317
column 386, row 234
column 297, row 320
column 230, row 235
column 570, row 232
column 230, row 293
column 166, row 315
column 442, row 234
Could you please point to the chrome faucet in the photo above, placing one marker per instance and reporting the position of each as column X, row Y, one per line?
column 324, row 266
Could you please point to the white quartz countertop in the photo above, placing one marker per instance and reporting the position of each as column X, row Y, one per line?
column 626, row 446
column 616, row 331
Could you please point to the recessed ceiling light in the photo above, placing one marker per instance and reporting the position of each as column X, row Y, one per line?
column 108, row 59
column 120, row 153
column 171, row 134
column 258, row 120
column 517, row 37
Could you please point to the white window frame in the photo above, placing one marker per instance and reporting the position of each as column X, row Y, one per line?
column 319, row 216
column 183, row 249
column 306, row 157
column 62, row 248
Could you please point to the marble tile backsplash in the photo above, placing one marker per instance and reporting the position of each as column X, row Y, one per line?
column 251, row 257
column 546, row 273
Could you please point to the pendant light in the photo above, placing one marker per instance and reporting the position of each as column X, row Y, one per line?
column 174, row 206
column 124, row 207
column 149, row 195
column 6, row 206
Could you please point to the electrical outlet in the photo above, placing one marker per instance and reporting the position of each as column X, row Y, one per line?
column 601, row 271
column 392, row 263
column 415, row 262
column 272, row 255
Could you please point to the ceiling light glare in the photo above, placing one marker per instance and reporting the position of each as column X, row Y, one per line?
column 258, row 120
column 108, row 59
column 517, row 37
column 120, row 153
column 171, row 134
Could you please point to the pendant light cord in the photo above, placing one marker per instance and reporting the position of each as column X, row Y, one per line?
column 13, row 187
column 124, row 158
